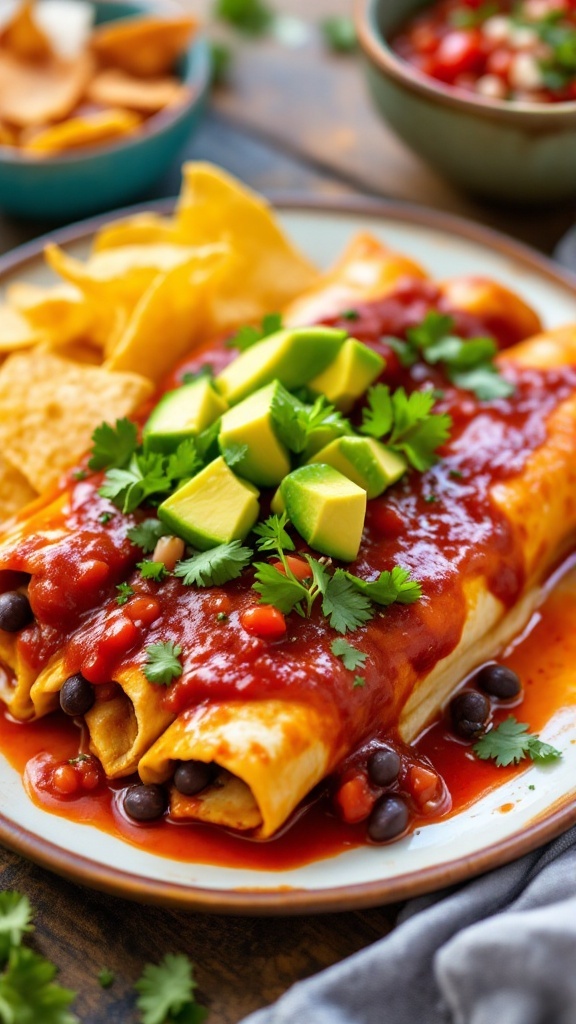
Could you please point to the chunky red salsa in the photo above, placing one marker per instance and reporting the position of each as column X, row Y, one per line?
column 497, row 49
column 441, row 525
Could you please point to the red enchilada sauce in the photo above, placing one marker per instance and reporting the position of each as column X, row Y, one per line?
column 441, row 525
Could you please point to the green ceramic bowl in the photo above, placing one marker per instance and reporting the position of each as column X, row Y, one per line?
column 519, row 152
column 104, row 177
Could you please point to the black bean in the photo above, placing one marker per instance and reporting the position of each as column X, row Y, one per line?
column 499, row 681
column 191, row 777
column 145, row 803
column 15, row 611
column 389, row 818
column 470, row 712
column 383, row 766
column 76, row 696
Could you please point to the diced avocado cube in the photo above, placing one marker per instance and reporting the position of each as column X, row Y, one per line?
column 292, row 356
column 351, row 373
column 249, row 423
column 365, row 461
column 326, row 508
column 213, row 508
column 182, row 413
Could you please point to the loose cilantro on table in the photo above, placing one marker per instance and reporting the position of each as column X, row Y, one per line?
column 339, row 33
column 511, row 743
column 406, row 423
column 163, row 663
column 106, row 977
column 147, row 534
column 124, row 593
column 214, row 567
column 28, row 991
column 247, row 336
column 350, row 656
column 468, row 363
column 156, row 571
column 166, row 992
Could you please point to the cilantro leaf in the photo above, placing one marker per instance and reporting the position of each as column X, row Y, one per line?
column 28, row 991
column 395, row 586
column 433, row 327
column 207, row 441
column 350, row 656
column 15, row 920
column 248, row 335
column 234, row 453
column 511, row 743
column 407, row 353
column 343, row 605
column 214, row 567
column 156, row 571
column 484, row 381
column 144, row 476
column 358, row 681
column 295, row 421
column 113, row 446
column 378, row 416
column 166, row 991
column 275, row 587
column 147, row 534
column 163, row 663
column 207, row 370
column 417, row 431
column 184, row 462
column 124, row 593
column 273, row 536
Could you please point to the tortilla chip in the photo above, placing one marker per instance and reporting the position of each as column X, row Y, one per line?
column 61, row 312
column 77, row 132
column 169, row 318
column 16, row 331
column 143, row 46
column 267, row 271
column 128, row 269
column 24, row 37
column 141, row 229
column 51, row 406
column 115, row 88
column 36, row 94
column 15, row 491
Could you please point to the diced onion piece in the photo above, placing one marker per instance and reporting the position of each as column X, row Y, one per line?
column 525, row 73
column 492, row 87
column 497, row 28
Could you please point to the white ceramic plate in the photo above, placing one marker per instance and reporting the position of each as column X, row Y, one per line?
column 438, row 854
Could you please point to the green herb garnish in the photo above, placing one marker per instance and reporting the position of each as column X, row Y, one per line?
column 350, row 656
column 106, row 977
column 124, row 593
column 511, row 743
column 339, row 33
column 163, row 663
column 166, row 992
column 406, row 423
column 147, row 534
column 247, row 336
column 156, row 571
column 214, row 567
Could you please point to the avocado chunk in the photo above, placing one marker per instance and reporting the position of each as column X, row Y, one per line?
column 292, row 356
column 213, row 508
column 326, row 508
column 266, row 461
column 349, row 375
column 182, row 413
column 365, row 461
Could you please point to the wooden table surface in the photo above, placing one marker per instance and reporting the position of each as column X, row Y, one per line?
column 296, row 119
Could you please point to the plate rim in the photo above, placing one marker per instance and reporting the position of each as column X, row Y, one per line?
column 259, row 901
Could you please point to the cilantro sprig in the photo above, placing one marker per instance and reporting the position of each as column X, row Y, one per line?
column 406, row 423
column 163, row 665
column 147, row 534
column 295, row 421
column 28, row 991
column 125, row 592
column 149, row 570
column 347, row 601
column 133, row 475
column 511, row 742
column 166, row 992
column 350, row 656
column 468, row 363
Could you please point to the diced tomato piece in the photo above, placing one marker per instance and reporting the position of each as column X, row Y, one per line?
column 144, row 610
column 298, row 566
column 499, row 63
column 65, row 780
column 265, row 621
column 459, row 52
column 424, row 39
column 355, row 800
column 92, row 574
column 423, row 784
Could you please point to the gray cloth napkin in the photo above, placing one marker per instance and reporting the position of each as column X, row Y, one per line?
column 499, row 950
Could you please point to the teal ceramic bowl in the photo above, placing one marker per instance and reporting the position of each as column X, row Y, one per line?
column 517, row 152
column 68, row 187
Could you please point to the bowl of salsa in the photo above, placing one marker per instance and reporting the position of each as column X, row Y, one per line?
column 483, row 90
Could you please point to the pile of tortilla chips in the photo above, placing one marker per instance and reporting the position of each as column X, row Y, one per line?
column 65, row 86
column 93, row 346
